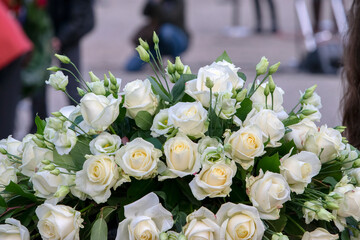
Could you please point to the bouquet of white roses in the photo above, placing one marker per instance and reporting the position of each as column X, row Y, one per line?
column 211, row 158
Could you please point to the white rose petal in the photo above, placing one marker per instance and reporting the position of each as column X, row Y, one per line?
column 105, row 143
column 58, row 81
column 316, row 116
column 161, row 124
column 13, row 230
column 319, row 234
column 300, row 132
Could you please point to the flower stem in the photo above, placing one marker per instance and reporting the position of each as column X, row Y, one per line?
column 294, row 222
column 67, row 94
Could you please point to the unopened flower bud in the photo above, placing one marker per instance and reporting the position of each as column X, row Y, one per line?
column 62, row 192
column 56, row 114
column 155, row 38
column 209, row 83
column 53, row 68
column 170, row 67
column 39, row 136
column 182, row 237
column 309, row 92
column 62, row 118
column 38, row 142
column 80, row 91
column 177, row 76
column 55, row 172
column 163, row 236
column 144, row 44
column 187, row 70
column 63, row 58
column 49, row 167
column 272, row 85
column 179, row 66
column 241, row 95
column 262, row 66
column 273, row 69
column 332, row 205
column 308, row 112
column 340, row 128
column 112, row 79
column 279, row 236
column 356, row 163
column 143, row 54
column 3, row 151
column 335, row 195
column 46, row 161
column 325, row 215
column 344, row 140
column 227, row 147
column 106, row 81
column 267, row 90
column 171, row 78
column 93, row 77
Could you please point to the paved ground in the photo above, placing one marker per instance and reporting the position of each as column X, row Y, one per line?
column 108, row 47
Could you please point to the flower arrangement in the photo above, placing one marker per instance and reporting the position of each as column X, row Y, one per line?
column 211, row 158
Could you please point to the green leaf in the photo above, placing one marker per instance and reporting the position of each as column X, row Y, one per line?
column 178, row 89
column 76, row 158
column 159, row 90
column 40, row 125
column 245, row 108
column 269, row 163
column 224, row 56
column 106, row 212
column 2, row 202
column 331, row 181
column 291, row 121
column 16, row 189
column 345, row 234
column 144, row 120
column 279, row 224
column 156, row 142
column 286, row 147
column 99, row 231
column 242, row 76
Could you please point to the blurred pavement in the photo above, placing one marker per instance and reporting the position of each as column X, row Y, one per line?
column 108, row 47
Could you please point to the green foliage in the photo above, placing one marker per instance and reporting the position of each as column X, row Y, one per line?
column 16, row 189
column 245, row 108
column 159, row 89
column 178, row 89
column 99, row 230
column 269, row 163
column 224, row 56
column 279, row 224
column 242, row 76
column 40, row 125
column 144, row 120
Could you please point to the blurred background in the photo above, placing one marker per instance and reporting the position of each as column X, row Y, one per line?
column 218, row 25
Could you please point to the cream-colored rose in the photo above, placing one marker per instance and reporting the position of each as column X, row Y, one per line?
column 58, row 222
column 189, row 117
column 300, row 131
column 222, row 74
column 239, row 221
column 138, row 158
column 99, row 174
column 269, row 123
column 299, row 169
column 327, row 143
column 144, row 219
column 316, row 116
column 268, row 192
column 213, row 180
column 12, row 146
column 58, row 81
column 46, row 184
column 350, row 205
column 245, row 145
column 139, row 97
column 7, row 174
column 201, row 224
column 224, row 105
column 161, row 124
column 99, row 111
column 105, row 143
column 258, row 99
column 319, row 234
column 182, row 158
column 32, row 157
column 13, row 230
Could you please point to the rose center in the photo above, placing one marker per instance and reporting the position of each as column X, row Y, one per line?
column 305, row 170
column 241, row 232
column 47, row 229
column 138, row 160
column 215, row 176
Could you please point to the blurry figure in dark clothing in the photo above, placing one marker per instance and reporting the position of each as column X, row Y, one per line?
column 274, row 27
column 13, row 46
column 72, row 20
column 167, row 19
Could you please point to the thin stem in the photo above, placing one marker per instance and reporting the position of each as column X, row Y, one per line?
column 14, row 156
column 272, row 101
column 160, row 70
column 76, row 78
column 112, row 130
column 76, row 126
column 210, row 125
column 298, row 225
column 266, row 106
column 86, row 208
column 253, row 85
column 67, row 94
column 262, row 81
column 81, row 77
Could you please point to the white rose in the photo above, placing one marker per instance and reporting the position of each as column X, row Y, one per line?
column 269, row 123
column 58, row 222
column 355, row 173
column 144, row 219
column 46, row 184
column 314, row 100
column 138, row 158
column 139, row 97
column 327, row 142
column 223, row 75
column 300, row 131
column 13, row 230
column 99, row 111
column 350, row 205
column 32, row 157
column 246, row 144
column 268, row 192
column 258, row 99
column 319, row 234
column 201, row 224
column 181, row 157
column 58, row 81
column 99, row 174
column 13, row 147
column 82, row 126
column 189, row 117
column 161, row 124
column 213, row 180
column 299, row 169
column 239, row 221
column 105, row 143
column 316, row 116
column 224, row 105
column 7, row 174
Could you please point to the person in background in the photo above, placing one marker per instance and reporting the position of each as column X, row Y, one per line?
column 351, row 77
column 167, row 19
column 13, row 46
column 259, row 27
column 72, row 20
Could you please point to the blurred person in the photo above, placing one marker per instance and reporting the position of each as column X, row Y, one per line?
column 13, row 46
column 72, row 20
column 167, row 19
column 259, row 28
column 351, row 77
